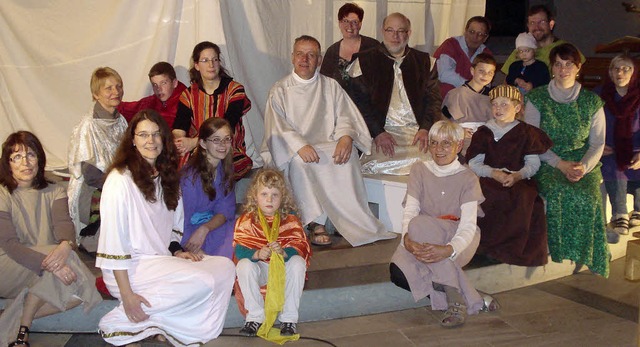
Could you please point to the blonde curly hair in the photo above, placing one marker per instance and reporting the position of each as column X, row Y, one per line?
column 270, row 178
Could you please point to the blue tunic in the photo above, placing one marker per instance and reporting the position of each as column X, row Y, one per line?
column 198, row 209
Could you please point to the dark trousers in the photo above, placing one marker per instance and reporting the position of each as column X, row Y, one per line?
column 397, row 277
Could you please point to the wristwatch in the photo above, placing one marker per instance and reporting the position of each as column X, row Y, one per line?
column 453, row 255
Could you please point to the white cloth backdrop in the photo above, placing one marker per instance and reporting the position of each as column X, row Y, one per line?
column 48, row 49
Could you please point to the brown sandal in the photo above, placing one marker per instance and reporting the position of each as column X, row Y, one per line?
column 21, row 340
column 318, row 235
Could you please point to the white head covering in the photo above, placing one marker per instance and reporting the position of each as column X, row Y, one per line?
column 526, row 40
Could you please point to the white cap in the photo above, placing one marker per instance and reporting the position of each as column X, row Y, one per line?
column 526, row 40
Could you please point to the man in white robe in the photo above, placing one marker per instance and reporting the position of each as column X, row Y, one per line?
column 311, row 126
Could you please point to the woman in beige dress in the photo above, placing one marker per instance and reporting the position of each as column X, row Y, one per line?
column 39, row 268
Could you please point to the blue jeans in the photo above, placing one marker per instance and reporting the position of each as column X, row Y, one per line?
column 617, row 191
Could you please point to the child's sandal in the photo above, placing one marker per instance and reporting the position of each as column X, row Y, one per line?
column 455, row 316
column 21, row 340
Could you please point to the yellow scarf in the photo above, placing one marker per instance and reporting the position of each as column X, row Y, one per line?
column 274, row 299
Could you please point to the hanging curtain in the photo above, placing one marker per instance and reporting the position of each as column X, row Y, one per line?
column 48, row 50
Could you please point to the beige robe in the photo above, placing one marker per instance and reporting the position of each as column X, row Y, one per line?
column 30, row 211
column 318, row 112
column 468, row 108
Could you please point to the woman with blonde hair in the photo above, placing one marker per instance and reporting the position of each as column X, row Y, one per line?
column 439, row 230
column 92, row 145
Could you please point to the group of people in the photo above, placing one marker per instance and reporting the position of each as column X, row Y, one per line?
column 152, row 181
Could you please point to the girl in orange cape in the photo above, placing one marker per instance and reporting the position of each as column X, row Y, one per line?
column 270, row 248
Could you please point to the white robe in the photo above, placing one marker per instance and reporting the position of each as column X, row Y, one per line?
column 318, row 112
column 94, row 141
column 189, row 300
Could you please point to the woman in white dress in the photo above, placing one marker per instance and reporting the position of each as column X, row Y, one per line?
column 162, row 289
column 39, row 268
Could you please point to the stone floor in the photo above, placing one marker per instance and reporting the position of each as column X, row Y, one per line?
column 579, row 310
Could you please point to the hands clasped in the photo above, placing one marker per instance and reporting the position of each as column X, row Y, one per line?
column 56, row 263
column 507, row 179
column 572, row 170
column 428, row 252
column 264, row 253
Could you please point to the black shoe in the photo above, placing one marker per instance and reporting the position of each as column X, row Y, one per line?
column 288, row 329
column 250, row 328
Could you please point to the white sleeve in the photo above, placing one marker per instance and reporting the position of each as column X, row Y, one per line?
column 114, row 245
column 596, row 141
column 479, row 167
column 411, row 210
column 281, row 137
column 531, row 166
column 467, row 227
column 532, row 116
column 178, row 222
column 447, row 71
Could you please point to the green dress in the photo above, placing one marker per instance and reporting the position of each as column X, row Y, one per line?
column 576, row 228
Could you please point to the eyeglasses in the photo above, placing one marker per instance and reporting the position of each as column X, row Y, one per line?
column 220, row 141
column 209, row 60
column 532, row 23
column 477, row 33
column 354, row 22
column 444, row 144
column 31, row 157
column 623, row 69
column 560, row 65
column 146, row 136
column 399, row 32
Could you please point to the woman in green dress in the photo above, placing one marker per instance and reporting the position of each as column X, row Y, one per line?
column 569, row 177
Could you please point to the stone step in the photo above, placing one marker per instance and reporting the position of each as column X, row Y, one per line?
column 341, row 265
column 346, row 282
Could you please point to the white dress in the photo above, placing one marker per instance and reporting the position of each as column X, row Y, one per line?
column 189, row 300
column 318, row 112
